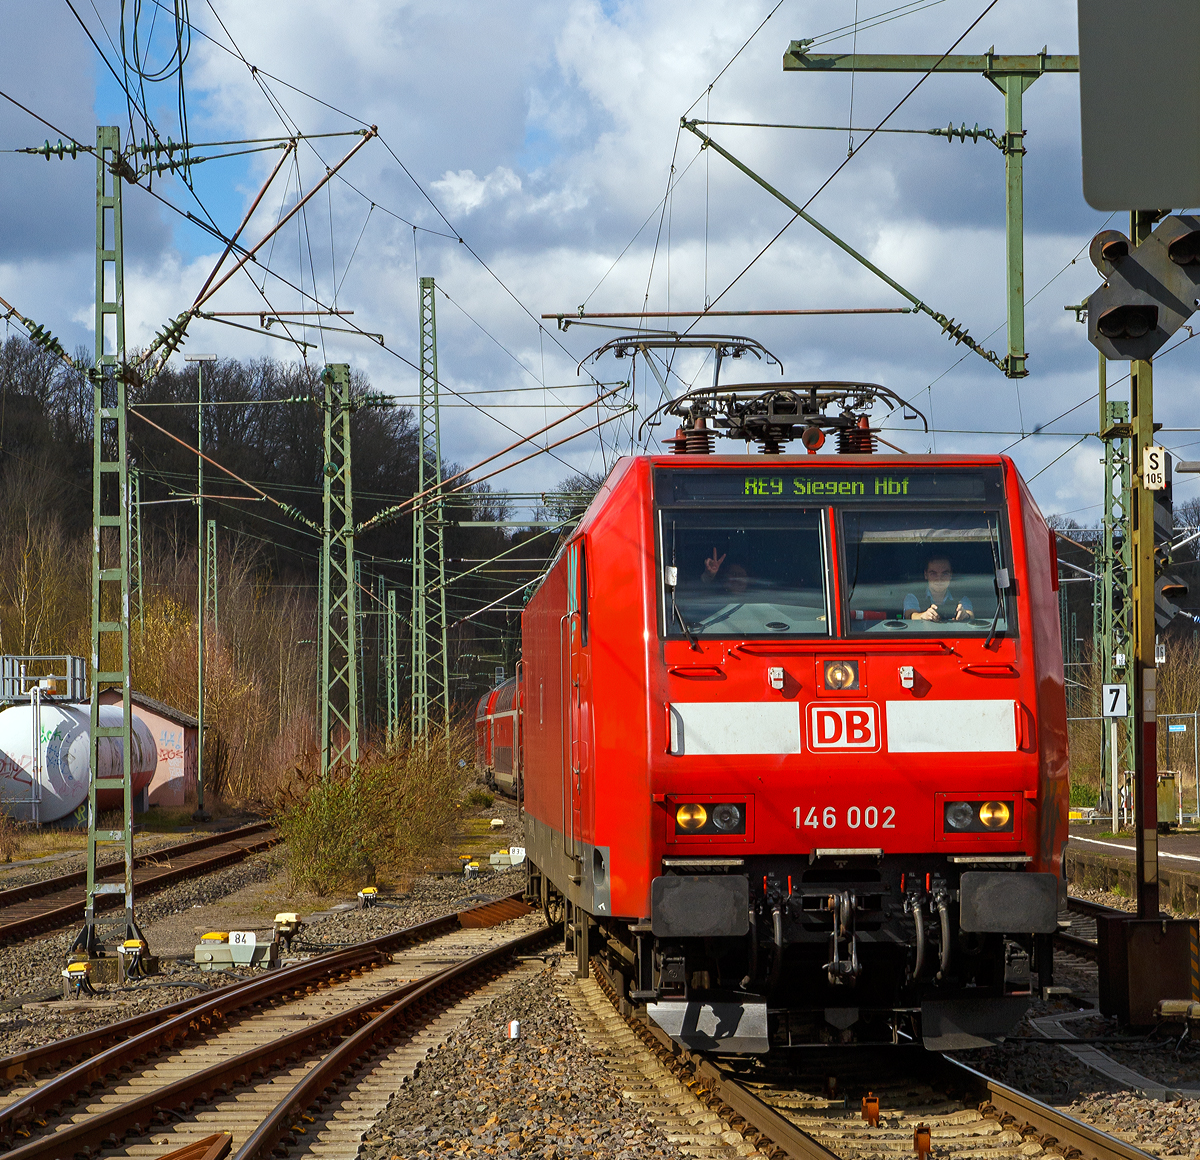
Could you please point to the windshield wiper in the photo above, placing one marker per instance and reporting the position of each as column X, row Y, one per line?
column 996, row 582
column 683, row 624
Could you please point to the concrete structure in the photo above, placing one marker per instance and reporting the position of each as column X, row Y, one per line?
column 1112, row 870
column 175, row 733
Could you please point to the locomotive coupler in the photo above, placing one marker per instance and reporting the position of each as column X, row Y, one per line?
column 672, row 973
column 843, row 969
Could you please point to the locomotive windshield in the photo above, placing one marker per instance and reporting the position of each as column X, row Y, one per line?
column 745, row 573
column 931, row 572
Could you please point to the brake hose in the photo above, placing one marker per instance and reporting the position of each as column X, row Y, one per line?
column 943, row 908
column 919, row 923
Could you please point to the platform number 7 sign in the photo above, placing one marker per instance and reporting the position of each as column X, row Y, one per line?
column 1115, row 700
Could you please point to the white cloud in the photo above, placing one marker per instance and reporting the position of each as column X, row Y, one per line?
column 545, row 131
column 463, row 192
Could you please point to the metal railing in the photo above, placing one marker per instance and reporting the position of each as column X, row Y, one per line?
column 18, row 674
column 1167, row 766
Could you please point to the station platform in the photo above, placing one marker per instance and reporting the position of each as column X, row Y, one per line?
column 1107, row 863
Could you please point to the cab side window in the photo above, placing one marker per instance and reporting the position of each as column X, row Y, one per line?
column 577, row 584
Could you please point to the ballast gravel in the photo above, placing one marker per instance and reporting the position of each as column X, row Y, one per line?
column 1164, row 1129
column 430, row 898
column 30, row 972
column 546, row 1094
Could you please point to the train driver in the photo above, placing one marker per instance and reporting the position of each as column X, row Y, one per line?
column 733, row 579
column 938, row 603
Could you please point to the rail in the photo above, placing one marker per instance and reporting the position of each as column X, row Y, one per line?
column 358, row 1030
column 773, row 1133
column 28, row 890
column 1051, row 1124
column 51, row 904
column 119, row 1044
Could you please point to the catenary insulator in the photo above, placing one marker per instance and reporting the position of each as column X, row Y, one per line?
column 857, row 440
column 699, row 440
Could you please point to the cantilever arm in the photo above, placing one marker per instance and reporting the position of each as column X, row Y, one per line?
column 948, row 325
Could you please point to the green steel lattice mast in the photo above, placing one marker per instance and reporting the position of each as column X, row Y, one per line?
column 1113, row 637
column 137, row 594
column 339, row 598
column 392, row 664
column 110, row 538
column 430, row 667
column 210, row 575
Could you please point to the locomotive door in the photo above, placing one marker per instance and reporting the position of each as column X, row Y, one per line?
column 575, row 665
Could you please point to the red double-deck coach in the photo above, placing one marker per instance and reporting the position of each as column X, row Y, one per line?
column 795, row 745
column 498, row 738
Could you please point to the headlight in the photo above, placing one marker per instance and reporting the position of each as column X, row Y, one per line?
column 726, row 817
column 995, row 815
column 959, row 815
column 841, row 674
column 978, row 817
column 718, row 819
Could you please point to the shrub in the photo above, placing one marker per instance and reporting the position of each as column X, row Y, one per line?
column 480, row 797
column 387, row 814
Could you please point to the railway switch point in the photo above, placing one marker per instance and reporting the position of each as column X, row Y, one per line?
column 870, row 1109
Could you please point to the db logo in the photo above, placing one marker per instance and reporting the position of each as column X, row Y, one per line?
column 843, row 727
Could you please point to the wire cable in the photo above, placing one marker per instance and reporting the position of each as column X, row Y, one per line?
column 895, row 108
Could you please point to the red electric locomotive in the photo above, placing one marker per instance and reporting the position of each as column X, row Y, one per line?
column 795, row 743
column 498, row 738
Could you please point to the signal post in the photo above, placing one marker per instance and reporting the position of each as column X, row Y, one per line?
column 1145, row 673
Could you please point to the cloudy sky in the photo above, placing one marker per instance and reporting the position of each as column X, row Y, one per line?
column 545, row 136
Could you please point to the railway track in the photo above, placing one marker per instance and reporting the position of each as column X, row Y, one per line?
column 875, row 1105
column 1081, row 939
column 58, row 902
column 272, row 1060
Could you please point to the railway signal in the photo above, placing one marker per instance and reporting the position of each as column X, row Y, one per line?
column 1152, row 281
column 1150, row 288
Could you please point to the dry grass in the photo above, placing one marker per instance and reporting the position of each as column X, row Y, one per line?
column 10, row 838
column 260, row 682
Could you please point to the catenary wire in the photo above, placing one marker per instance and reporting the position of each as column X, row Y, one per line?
column 895, row 108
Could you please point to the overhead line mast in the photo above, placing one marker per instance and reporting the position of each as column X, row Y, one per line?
column 339, row 596
column 1012, row 75
column 430, row 659
column 110, row 539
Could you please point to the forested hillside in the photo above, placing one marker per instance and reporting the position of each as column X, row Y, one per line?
column 260, row 423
